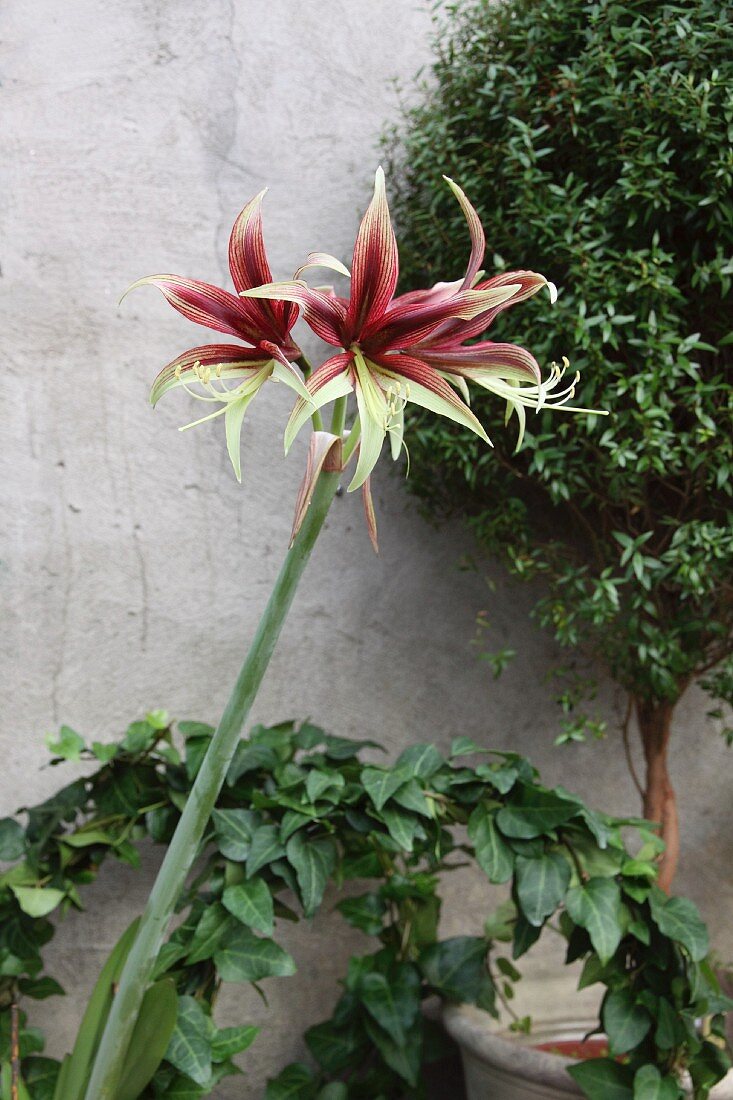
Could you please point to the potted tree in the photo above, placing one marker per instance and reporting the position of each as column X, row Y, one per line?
column 593, row 137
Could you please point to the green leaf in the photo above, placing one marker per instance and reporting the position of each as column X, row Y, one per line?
column 234, row 829
column 229, row 1041
column 679, row 919
column 493, row 854
column 12, row 839
column 541, row 885
column 404, row 1058
column 525, row 934
column 245, row 957
column 265, row 848
column 150, row 1038
column 214, row 926
column 456, row 968
column 314, row 861
column 68, row 745
column 650, row 1085
column 37, row 901
column 251, row 903
column 336, row 1048
column 40, row 988
column 624, row 1021
column 534, row 811
column 41, row 1075
column 86, row 838
column 364, row 912
column 603, row 1079
column 419, row 762
column 189, row 1049
column 318, row 782
column 296, row 1082
column 381, row 784
column 403, row 827
column 596, row 906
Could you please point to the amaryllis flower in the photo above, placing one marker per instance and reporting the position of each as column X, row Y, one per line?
column 263, row 326
column 380, row 336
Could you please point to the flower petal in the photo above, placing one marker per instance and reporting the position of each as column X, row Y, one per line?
column 375, row 263
column 247, row 259
column 204, row 304
column 324, row 453
column 322, row 259
column 233, row 418
column 372, row 405
column 235, row 362
column 478, row 240
column 325, row 313
column 330, row 381
column 526, row 284
column 505, row 360
column 428, row 389
column 409, row 323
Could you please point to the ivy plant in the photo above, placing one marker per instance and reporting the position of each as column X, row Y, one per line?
column 301, row 809
column 594, row 139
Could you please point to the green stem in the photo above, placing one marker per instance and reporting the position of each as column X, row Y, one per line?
column 184, row 846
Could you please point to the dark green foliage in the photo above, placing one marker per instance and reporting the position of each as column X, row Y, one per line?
column 302, row 810
column 593, row 136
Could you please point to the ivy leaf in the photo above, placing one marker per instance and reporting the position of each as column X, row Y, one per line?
column 313, row 860
column 364, row 912
column 245, row 957
column 603, row 1079
column 214, row 926
column 234, row 829
column 650, row 1085
column 251, row 903
column 404, row 1058
column 456, row 968
column 37, row 901
column 596, row 906
column 624, row 1021
column 265, row 848
column 534, row 811
column 228, row 1041
column 381, row 784
column 336, row 1048
column 419, row 762
column 541, row 885
column 403, row 827
column 189, row 1049
column 68, row 745
column 318, row 782
column 41, row 1075
column 679, row 919
column 296, row 1082
column 525, row 934
column 381, row 999
column 12, row 839
column 493, row 854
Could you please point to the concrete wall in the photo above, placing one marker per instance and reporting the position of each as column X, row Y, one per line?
column 133, row 567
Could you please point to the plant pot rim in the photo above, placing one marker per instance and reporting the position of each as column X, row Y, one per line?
column 489, row 1041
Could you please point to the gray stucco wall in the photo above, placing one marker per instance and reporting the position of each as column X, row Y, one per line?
column 133, row 567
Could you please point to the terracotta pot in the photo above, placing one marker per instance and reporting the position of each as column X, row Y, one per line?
column 499, row 1065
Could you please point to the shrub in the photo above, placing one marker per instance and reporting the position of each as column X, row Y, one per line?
column 593, row 138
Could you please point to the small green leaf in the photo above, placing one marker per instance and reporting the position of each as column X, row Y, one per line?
column 228, row 1041
column 679, row 919
column 12, row 839
column 603, row 1079
column 245, row 957
column 541, row 885
column 213, row 927
column 456, row 968
column 38, row 901
column 234, row 829
column 493, row 854
column 596, row 906
column 364, row 912
column 265, row 848
column 314, row 861
column 189, row 1049
column 251, row 903
column 68, row 745
column 419, row 762
column 296, row 1082
column 624, row 1021
column 381, row 784
column 533, row 811
column 650, row 1085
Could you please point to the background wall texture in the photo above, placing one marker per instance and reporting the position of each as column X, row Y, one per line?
column 133, row 567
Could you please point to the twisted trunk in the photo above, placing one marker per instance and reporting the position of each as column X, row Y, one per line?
column 659, row 800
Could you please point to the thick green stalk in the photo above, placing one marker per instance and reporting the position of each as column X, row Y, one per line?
column 135, row 978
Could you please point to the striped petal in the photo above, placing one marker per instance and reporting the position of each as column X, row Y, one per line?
column 235, row 362
column 430, row 390
column 375, row 263
column 330, row 381
column 324, row 313
column 249, row 267
column 322, row 259
column 525, row 284
column 478, row 240
column 204, row 304
column 504, row 360
column 372, row 405
column 407, row 324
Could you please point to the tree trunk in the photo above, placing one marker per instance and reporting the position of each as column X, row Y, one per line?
column 660, row 802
